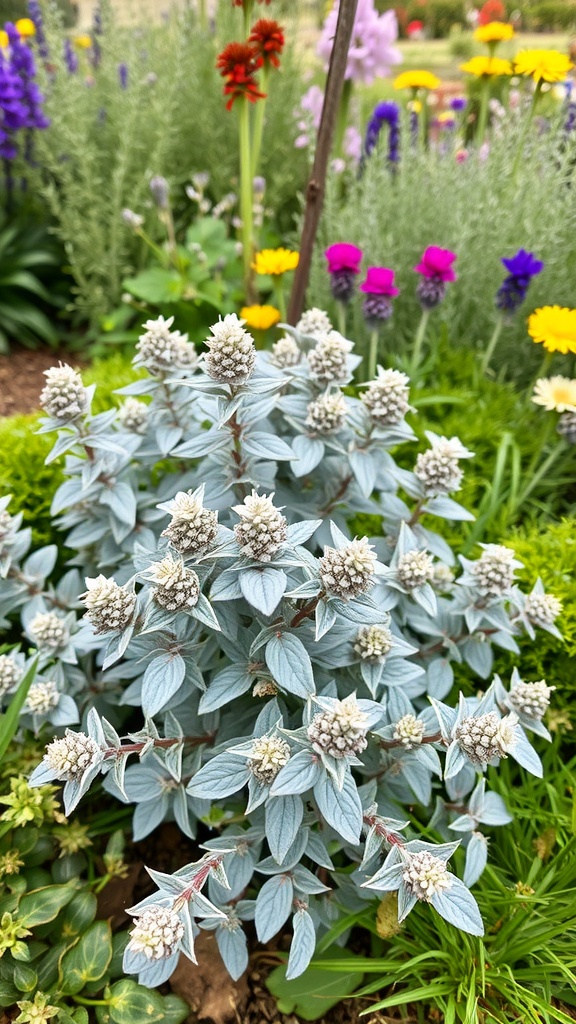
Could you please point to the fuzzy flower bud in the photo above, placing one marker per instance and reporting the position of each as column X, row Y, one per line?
column 48, row 630
column 42, row 698
column 443, row 577
column 340, row 732
column 314, row 323
column 177, row 587
column 415, row 568
column 494, row 570
column 430, row 292
column 72, row 755
column 285, row 352
column 133, row 415
column 542, row 609
column 409, row 731
column 160, row 190
column 232, row 354
column 264, row 688
column 132, row 220
column 262, row 528
column 348, row 572
column 386, row 397
column 566, row 427
column 268, row 755
column 64, row 396
column 426, row 875
column 373, row 643
column 485, row 737
column 531, row 699
column 327, row 413
column 10, row 673
column 438, row 470
column 193, row 528
column 328, row 359
column 161, row 350
column 108, row 606
column 157, row 933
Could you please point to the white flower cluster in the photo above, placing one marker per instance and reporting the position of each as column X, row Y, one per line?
column 340, row 732
column 232, row 355
column 531, row 699
column 285, row 352
column 442, row 577
column 262, row 528
column 161, row 350
column 47, row 629
column 542, row 608
column 386, row 397
column 10, row 673
column 64, row 396
column 438, row 469
column 327, row 360
column 409, row 732
column 426, row 875
column 268, row 755
column 176, row 586
column 133, row 415
column 327, row 413
column 108, row 606
column 494, row 570
column 414, row 569
column 42, row 698
column 348, row 572
column 485, row 737
column 314, row 323
column 72, row 755
column 157, row 933
column 193, row 528
column 373, row 643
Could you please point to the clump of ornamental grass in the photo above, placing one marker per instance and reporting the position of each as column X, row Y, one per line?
column 279, row 669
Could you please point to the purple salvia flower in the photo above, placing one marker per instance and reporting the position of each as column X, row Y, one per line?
column 521, row 269
column 123, row 75
column 70, row 57
column 20, row 98
column 36, row 15
column 388, row 113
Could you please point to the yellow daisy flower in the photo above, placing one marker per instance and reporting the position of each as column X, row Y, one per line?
column 490, row 67
column 4, row 40
column 260, row 318
column 25, row 28
column 494, row 32
column 543, row 65
column 82, row 42
column 554, row 327
column 275, row 261
column 556, row 394
column 416, row 80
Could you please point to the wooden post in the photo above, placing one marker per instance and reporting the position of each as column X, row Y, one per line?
column 317, row 182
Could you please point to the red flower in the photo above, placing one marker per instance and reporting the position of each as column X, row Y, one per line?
column 238, row 64
column 267, row 37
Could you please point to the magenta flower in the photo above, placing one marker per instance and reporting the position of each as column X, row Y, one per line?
column 437, row 263
column 343, row 256
column 379, row 281
column 372, row 53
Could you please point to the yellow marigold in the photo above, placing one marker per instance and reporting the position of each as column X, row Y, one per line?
column 260, row 318
column 25, row 28
column 275, row 261
column 543, row 65
column 490, row 67
column 83, row 42
column 556, row 394
column 416, row 80
column 4, row 40
column 554, row 327
column 494, row 32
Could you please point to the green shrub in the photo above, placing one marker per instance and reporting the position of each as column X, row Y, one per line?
column 552, row 16
column 24, row 475
column 11, row 10
column 439, row 16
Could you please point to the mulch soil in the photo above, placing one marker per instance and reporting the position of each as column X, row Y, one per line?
column 22, row 377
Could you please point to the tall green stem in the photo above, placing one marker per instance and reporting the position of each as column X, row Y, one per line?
column 492, row 344
column 525, row 130
column 483, row 115
column 341, row 314
column 202, row 15
column 259, row 118
column 245, row 189
column 536, row 477
column 419, row 341
column 247, row 6
column 373, row 354
column 279, row 294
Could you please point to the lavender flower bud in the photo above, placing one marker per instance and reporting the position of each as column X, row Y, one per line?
column 430, row 292
column 376, row 309
column 348, row 572
column 131, row 219
column 262, row 528
column 567, row 427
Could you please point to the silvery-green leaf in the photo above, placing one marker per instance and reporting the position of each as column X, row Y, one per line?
column 148, row 816
column 267, row 446
column 221, row 776
column 162, row 679
column 273, row 906
column 283, row 819
column 325, row 616
column 341, row 808
column 263, row 588
column 233, row 950
column 476, row 858
column 206, row 442
column 458, row 906
column 205, row 613
column 447, row 509
column 290, row 665
column 309, row 452
column 525, row 755
column 299, row 533
column 364, row 467
column 298, row 776
column 302, row 946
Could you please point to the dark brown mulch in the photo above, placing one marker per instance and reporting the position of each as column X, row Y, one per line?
column 22, row 377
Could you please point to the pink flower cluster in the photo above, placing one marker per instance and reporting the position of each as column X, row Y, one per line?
column 372, row 53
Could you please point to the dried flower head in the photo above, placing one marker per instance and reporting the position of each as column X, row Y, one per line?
column 373, row 643
column 262, row 528
column 10, row 673
column 268, row 754
column 264, row 688
column 438, row 469
column 566, row 427
column 415, row 568
column 133, row 415
column 108, row 606
column 409, row 732
column 157, row 933
column 327, row 360
column 193, row 528
column 485, row 737
column 341, row 731
column 64, row 396
column 349, row 571
column 386, row 397
column 42, row 698
column 542, row 609
column 426, row 875
column 494, row 570
column 285, row 352
column 232, row 354
column 48, row 629
column 161, row 350
column 327, row 413
column 176, row 586
column 72, row 755
column 531, row 699
column 314, row 323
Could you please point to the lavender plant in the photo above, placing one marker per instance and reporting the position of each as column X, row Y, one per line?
column 288, row 680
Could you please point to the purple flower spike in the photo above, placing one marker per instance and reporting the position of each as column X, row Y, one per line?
column 343, row 265
column 521, row 269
